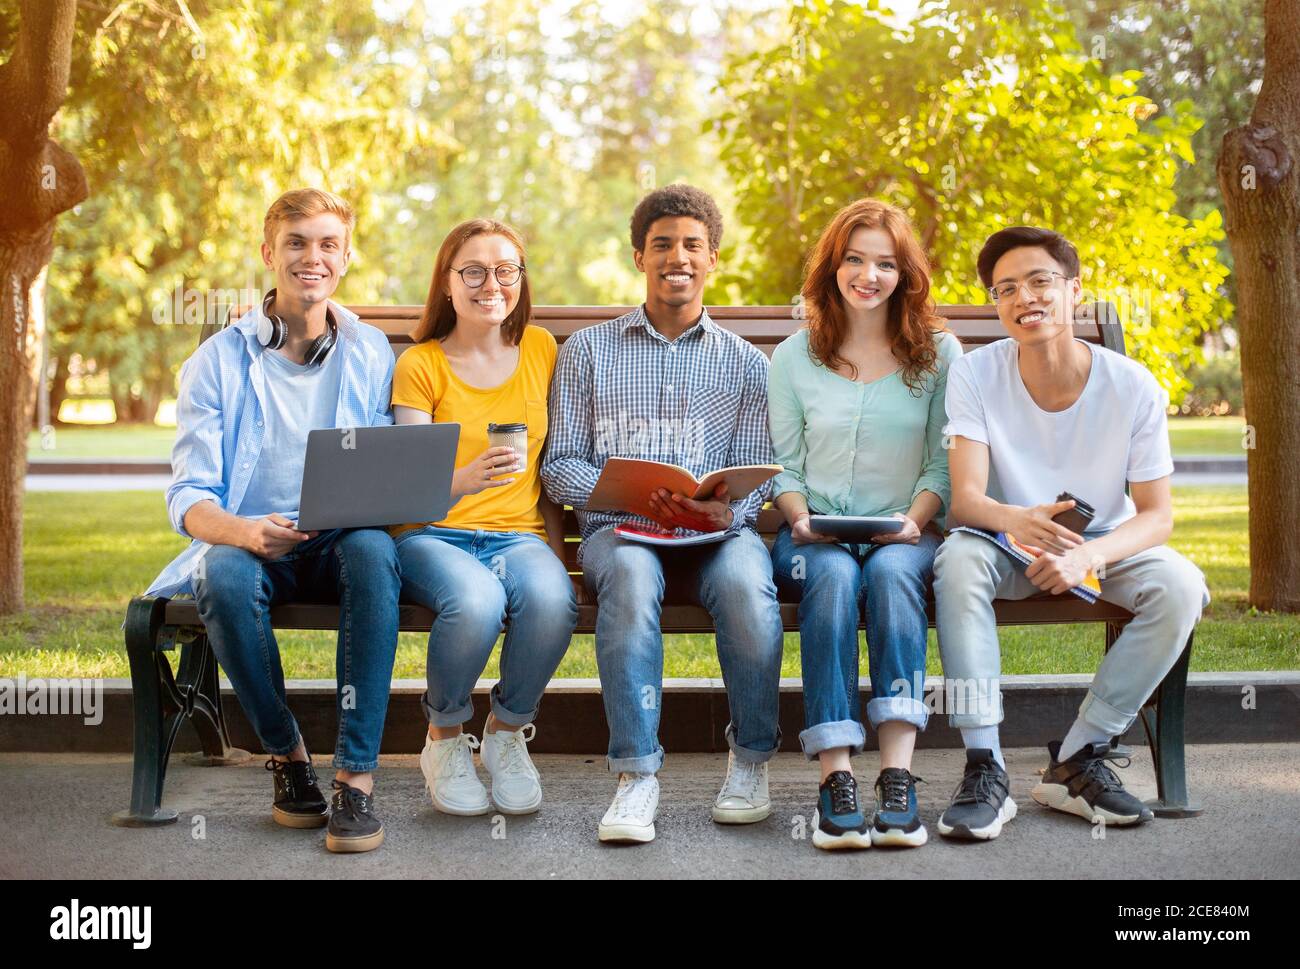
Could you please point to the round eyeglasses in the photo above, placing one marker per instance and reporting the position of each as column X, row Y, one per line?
column 507, row 274
column 1038, row 283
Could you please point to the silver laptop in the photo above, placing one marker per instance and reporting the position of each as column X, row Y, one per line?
column 357, row 477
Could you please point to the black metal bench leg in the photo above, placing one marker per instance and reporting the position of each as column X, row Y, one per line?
column 197, row 678
column 1164, row 729
column 150, row 695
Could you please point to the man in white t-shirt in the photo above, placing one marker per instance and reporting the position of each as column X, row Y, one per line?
column 1030, row 418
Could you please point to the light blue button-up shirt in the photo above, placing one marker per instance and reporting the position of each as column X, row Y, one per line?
column 853, row 448
column 221, row 420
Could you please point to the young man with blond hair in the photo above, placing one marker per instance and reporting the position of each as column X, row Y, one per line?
column 248, row 398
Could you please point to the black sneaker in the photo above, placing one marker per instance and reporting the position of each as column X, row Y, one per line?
column 838, row 821
column 353, row 825
column 898, row 820
column 298, row 801
column 1085, row 786
column 980, row 805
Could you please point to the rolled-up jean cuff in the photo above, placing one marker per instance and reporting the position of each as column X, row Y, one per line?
column 355, row 766
column 649, row 764
column 905, row 709
column 509, row 718
column 452, row 719
column 1100, row 714
column 830, row 736
column 747, row 755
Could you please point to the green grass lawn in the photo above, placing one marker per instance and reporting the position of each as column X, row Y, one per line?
column 1187, row 435
column 109, row 441
column 1206, row 435
column 87, row 554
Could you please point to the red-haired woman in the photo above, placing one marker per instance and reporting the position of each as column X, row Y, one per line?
column 856, row 411
column 478, row 361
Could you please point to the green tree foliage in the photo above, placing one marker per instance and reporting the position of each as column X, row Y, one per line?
column 189, row 120
column 564, row 130
column 977, row 115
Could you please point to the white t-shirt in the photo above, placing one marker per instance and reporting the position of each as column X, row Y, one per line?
column 299, row 398
column 1115, row 432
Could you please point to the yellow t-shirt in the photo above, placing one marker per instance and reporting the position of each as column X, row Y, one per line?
column 425, row 381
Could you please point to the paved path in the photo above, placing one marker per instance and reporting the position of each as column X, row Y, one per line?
column 57, row 806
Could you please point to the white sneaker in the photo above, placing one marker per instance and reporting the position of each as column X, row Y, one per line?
column 448, row 767
column 516, row 786
column 743, row 798
column 632, row 815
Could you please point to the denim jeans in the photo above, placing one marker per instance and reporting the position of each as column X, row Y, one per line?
column 474, row 581
column 236, row 590
column 1163, row 590
column 832, row 584
column 732, row 579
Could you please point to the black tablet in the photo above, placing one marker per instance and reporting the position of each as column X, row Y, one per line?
column 854, row 528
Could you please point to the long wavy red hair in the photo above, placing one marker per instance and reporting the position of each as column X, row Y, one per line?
column 912, row 321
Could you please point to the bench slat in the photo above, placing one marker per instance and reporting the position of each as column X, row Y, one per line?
column 677, row 617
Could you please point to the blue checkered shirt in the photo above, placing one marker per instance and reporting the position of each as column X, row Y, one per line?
column 621, row 389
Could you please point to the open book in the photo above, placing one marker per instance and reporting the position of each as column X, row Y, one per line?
column 1090, row 589
column 625, row 484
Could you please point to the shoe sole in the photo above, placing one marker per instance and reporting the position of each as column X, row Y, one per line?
column 849, row 841
column 1058, row 798
column 741, row 815
column 625, row 834
column 289, row 820
column 461, row 812
column 963, row 833
column 352, row 845
column 530, row 808
column 898, row 838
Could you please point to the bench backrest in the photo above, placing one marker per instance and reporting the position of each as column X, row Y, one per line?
column 763, row 326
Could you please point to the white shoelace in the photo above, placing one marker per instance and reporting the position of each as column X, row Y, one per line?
column 513, row 750
column 741, row 781
column 458, row 760
column 632, row 799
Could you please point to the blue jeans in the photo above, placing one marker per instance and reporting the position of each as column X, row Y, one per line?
column 832, row 582
column 733, row 581
column 474, row 581
column 236, row 590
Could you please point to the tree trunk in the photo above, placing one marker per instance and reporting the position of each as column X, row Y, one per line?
column 40, row 180
column 22, row 257
column 58, row 387
column 1260, row 180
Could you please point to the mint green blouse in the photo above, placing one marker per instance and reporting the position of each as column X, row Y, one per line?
column 854, row 448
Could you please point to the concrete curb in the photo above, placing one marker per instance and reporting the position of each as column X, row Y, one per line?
column 1230, row 707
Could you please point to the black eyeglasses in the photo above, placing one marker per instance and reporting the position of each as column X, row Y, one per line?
column 1038, row 283
column 507, row 274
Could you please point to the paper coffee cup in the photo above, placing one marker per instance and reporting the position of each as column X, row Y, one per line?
column 510, row 435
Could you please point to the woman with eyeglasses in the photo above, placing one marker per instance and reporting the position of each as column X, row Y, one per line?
column 855, row 407
column 498, row 555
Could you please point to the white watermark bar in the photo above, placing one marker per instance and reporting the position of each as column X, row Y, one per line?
column 21, row 697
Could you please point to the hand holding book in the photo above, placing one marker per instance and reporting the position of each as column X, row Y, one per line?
column 673, row 510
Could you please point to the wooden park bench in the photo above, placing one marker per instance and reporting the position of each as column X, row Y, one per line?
column 163, row 699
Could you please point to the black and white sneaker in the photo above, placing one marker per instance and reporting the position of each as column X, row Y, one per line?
column 353, row 825
column 1086, row 786
column 298, row 802
column 838, row 822
column 981, row 803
